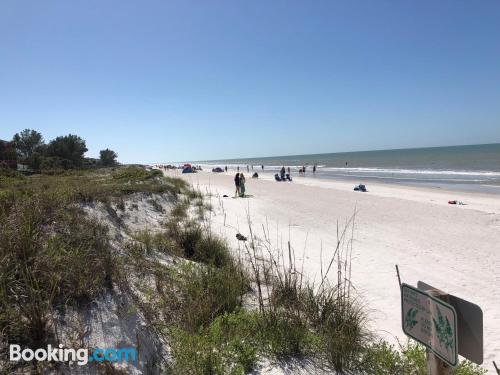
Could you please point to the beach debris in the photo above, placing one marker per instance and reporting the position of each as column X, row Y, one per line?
column 217, row 170
column 240, row 237
column 255, row 175
column 360, row 187
column 225, row 196
column 460, row 203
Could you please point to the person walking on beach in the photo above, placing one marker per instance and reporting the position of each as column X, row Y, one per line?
column 262, row 166
column 248, row 169
column 237, row 182
column 242, row 185
column 238, row 168
column 288, row 169
column 314, row 168
column 225, row 168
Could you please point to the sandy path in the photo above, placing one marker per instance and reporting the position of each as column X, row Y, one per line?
column 454, row 248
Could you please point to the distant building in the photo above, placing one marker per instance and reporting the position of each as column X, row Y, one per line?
column 8, row 154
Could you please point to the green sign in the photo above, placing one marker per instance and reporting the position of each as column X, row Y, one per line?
column 431, row 322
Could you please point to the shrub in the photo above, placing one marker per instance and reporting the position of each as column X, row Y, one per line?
column 79, row 256
column 212, row 250
column 193, row 194
column 381, row 358
column 178, row 185
column 384, row 359
column 133, row 173
column 51, row 256
column 229, row 345
column 209, row 292
column 54, row 164
column 25, row 299
column 148, row 242
column 198, row 244
column 107, row 157
column 324, row 321
column 69, row 149
column 10, row 173
column 342, row 328
column 287, row 336
column 10, row 180
column 188, row 238
column 179, row 211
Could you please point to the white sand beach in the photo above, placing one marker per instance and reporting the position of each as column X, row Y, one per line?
column 454, row 248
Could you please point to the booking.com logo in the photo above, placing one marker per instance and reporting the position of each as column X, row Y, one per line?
column 79, row 356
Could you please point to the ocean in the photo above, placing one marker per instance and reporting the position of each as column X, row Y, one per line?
column 472, row 167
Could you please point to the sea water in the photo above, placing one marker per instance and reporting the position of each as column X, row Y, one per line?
column 472, row 167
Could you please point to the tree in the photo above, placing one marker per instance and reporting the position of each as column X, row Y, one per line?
column 28, row 142
column 69, row 148
column 108, row 157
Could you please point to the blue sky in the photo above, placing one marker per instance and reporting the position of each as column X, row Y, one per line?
column 190, row 80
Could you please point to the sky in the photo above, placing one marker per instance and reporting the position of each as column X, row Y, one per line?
column 160, row 81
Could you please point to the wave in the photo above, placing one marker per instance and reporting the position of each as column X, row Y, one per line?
column 385, row 171
column 258, row 166
column 400, row 178
column 414, row 171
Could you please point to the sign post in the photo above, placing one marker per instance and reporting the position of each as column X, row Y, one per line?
column 469, row 324
column 432, row 322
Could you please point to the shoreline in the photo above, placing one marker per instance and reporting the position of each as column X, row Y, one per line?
column 475, row 200
column 449, row 246
column 486, row 186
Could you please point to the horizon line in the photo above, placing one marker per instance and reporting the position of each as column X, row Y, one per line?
column 340, row 152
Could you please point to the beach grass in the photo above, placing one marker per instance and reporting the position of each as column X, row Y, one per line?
column 52, row 254
column 185, row 281
column 295, row 319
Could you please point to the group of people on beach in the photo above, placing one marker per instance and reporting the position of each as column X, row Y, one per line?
column 283, row 171
column 239, row 178
column 248, row 168
column 302, row 171
column 239, row 182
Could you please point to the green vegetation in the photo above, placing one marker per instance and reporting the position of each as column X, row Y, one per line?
column 229, row 345
column 28, row 142
column 295, row 319
column 209, row 292
column 65, row 152
column 62, row 153
column 384, row 359
column 52, row 254
column 108, row 157
column 182, row 278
